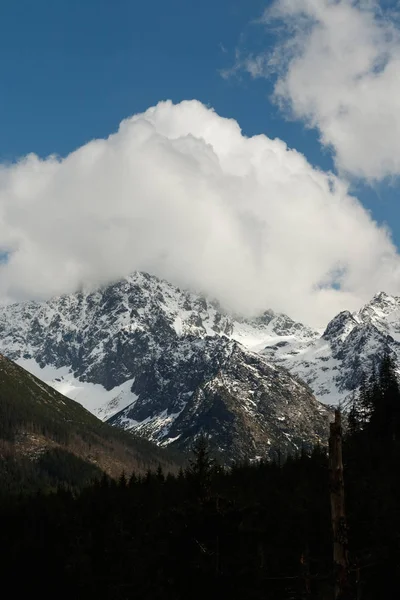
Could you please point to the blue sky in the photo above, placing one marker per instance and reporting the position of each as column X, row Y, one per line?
column 71, row 70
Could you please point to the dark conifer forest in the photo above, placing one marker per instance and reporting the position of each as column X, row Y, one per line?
column 253, row 531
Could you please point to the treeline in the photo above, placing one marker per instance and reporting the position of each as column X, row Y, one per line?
column 254, row 531
column 51, row 468
column 206, row 532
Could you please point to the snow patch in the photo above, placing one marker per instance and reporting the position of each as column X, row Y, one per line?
column 94, row 397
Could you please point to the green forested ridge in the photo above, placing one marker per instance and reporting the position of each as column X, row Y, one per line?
column 47, row 439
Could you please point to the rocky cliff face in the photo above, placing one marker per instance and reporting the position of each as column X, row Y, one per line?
column 144, row 354
column 352, row 344
column 169, row 364
column 248, row 407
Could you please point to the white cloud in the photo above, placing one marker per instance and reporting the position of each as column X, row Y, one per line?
column 179, row 191
column 339, row 71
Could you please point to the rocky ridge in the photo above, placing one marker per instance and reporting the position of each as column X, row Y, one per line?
column 168, row 364
column 352, row 345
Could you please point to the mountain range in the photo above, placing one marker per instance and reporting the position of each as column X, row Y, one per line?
column 170, row 364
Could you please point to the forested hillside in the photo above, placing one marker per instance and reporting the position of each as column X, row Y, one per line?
column 47, row 439
column 258, row 531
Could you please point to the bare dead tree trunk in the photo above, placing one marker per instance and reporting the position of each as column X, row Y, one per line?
column 338, row 514
column 305, row 569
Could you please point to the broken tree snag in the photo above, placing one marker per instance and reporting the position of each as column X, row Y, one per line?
column 338, row 515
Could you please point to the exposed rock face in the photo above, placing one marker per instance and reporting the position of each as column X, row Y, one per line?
column 248, row 407
column 168, row 364
column 352, row 344
column 144, row 354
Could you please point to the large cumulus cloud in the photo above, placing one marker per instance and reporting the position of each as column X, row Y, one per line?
column 180, row 192
column 338, row 66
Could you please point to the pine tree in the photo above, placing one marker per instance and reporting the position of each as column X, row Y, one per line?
column 360, row 408
column 354, row 417
column 364, row 404
column 385, row 401
column 133, row 480
column 160, row 474
column 122, row 482
column 374, row 393
column 105, row 481
column 201, row 466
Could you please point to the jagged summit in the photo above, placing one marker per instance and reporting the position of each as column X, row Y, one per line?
column 380, row 308
column 380, row 296
column 145, row 353
column 149, row 356
column 352, row 345
column 92, row 346
column 383, row 297
column 340, row 326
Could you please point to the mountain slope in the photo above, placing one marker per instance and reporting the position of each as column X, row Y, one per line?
column 40, row 426
column 105, row 338
column 92, row 347
column 141, row 352
column 247, row 407
column 352, row 345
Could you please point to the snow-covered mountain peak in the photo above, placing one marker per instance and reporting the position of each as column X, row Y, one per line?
column 339, row 327
column 141, row 299
column 146, row 354
column 167, row 363
column 383, row 299
column 85, row 342
column 352, row 345
column 269, row 330
column 381, row 310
